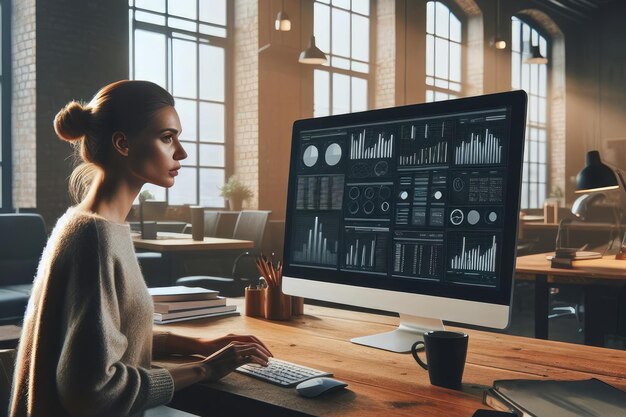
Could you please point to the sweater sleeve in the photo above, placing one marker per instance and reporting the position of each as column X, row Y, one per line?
column 91, row 378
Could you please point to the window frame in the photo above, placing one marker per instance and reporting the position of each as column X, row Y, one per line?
column 331, row 70
column 226, row 44
column 534, row 26
column 454, row 9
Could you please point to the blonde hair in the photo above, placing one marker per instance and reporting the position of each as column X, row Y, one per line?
column 123, row 106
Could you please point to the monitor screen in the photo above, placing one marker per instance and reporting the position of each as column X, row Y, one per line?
column 420, row 199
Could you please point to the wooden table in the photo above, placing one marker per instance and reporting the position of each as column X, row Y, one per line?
column 381, row 383
column 174, row 246
column 592, row 274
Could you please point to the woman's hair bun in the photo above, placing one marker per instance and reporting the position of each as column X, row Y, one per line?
column 72, row 122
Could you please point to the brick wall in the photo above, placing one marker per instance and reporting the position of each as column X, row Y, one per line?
column 62, row 50
column 246, row 96
column 385, row 65
column 24, row 104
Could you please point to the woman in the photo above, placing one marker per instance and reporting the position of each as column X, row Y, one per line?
column 87, row 340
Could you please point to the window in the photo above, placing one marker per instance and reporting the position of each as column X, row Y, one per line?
column 443, row 53
column 182, row 46
column 342, row 31
column 5, row 108
column 533, row 78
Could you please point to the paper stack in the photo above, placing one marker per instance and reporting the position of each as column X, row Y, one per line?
column 178, row 303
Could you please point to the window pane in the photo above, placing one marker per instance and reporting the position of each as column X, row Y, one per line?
column 429, row 96
column 341, row 33
column 213, row 11
column 157, row 19
column 342, row 63
column 212, row 30
column 212, row 73
column 182, row 8
column 210, row 181
column 542, row 156
column 321, row 93
column 150, row 60
column 360, row 38
column 526, row 77
column 341, row 93
column 211, row 122
column 534, row 79
column 360, row 67
column 455, row 28
column 430, row 55
column 515, row 67
column 157, row 192
column 441, row 83
column 533, row 117
column 515, row 31
column 361, row 6
column 430, row 17
column 182, row 24
column 542, row 110
column 543, row 46
column 455, row 62
column 343, row 3
column 155, row 5
column 359, row 94
column 441, row 58
column 439, row 96
column 442, row 14
column 212, row 155
column 534, row 153
column 184, row 68
column 322, row 26
column 534, row 203
column 543, row 80
column 187, row 111
column 192, row 153
column 184, row 189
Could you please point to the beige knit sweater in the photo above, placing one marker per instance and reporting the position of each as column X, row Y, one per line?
column 87, row 340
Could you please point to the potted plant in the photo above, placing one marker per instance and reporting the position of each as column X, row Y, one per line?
column 235, row 192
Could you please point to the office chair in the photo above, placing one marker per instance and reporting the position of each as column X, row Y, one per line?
column 22, row 240
column 251, row 225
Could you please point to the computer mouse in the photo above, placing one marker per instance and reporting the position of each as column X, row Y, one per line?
column 318, row 386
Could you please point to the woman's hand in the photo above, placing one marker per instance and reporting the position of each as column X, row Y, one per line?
column 209, row 346
column 232, row 356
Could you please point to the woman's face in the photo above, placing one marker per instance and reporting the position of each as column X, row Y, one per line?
column 154, row 155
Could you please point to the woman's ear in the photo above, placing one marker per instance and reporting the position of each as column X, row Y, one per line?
column 120, row 143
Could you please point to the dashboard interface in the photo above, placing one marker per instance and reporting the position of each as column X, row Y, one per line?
column 415, row 203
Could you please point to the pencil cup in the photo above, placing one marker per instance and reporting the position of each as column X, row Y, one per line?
column 197, row 222
column 255, row 302
column 297, row 306
column 277, row 304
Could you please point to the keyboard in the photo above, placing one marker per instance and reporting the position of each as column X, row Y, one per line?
column 278, row 372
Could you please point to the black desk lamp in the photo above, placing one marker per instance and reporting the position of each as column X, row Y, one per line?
column 598, row 176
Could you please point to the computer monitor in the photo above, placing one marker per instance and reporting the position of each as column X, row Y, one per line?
column 411, row 209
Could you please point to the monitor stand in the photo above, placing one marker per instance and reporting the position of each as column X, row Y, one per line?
column 409, row 331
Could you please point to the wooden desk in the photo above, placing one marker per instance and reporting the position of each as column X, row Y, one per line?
column 174, row 246
column 591, row 274
column 178, row 242
column 381, row 383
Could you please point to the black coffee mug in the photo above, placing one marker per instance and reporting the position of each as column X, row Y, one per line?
column 445, row 353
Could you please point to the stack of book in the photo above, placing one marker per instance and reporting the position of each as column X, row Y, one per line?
column 172, row 304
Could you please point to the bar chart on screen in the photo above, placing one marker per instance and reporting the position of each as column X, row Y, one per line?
column 316, row 240
column 369, row 144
